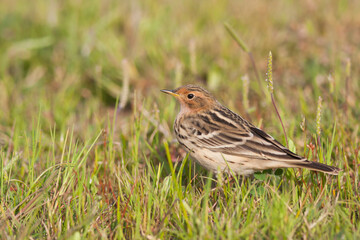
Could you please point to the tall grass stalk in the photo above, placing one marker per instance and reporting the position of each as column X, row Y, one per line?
column 271, row 90
column 246, row 49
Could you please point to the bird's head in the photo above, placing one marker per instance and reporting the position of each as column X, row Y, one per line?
column 192, row 98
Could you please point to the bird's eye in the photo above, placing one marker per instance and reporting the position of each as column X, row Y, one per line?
column 190, row 96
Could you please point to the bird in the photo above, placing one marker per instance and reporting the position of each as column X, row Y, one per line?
column 221, row 140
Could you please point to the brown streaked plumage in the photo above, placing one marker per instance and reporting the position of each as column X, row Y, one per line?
column 220, row 139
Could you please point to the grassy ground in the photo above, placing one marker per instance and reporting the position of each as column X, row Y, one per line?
column 86, row 142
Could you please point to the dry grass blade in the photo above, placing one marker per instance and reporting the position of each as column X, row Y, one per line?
column 271, row 89
column 244, row 47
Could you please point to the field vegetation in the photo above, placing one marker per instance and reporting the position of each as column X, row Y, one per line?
column 86, row 142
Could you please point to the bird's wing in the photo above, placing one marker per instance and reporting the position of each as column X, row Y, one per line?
column 228, row 135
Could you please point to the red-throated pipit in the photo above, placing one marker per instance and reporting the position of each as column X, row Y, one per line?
column 220, row 139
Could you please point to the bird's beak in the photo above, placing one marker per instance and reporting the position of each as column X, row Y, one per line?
column 171, row 92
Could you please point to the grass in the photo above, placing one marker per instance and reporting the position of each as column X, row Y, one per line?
column 86, row 142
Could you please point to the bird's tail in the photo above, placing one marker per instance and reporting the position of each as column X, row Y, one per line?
column 315, row 166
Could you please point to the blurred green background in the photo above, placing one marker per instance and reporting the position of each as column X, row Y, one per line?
column 71, row 70
column 69, row 53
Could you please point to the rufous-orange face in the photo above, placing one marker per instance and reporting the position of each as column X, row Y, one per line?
column 192, row 98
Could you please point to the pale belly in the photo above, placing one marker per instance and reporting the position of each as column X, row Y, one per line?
column 220, row 162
